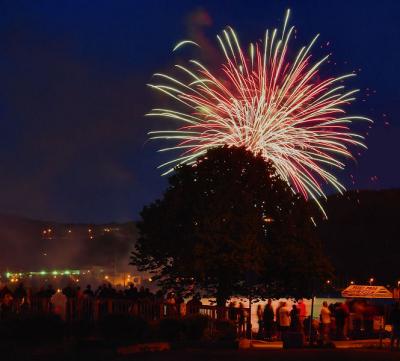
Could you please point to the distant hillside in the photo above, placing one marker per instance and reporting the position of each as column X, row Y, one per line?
column 362, row 235
column 34, row 245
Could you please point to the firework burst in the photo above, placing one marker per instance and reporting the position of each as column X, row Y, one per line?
column 266, row 101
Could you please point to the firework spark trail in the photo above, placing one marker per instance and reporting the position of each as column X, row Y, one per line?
column 267, row 103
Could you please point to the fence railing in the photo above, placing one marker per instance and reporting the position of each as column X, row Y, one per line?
column 96, row 308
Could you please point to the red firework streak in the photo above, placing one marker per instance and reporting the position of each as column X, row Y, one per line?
column 266, row 101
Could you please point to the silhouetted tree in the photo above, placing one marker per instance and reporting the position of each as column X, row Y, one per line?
column 229, row 225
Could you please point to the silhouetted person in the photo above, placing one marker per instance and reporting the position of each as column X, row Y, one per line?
column 241, row 320
column 20, row 292
column 340, row 319
column 25, row 306
column 260, row 320
column 278, row 325
column 99, row 292
column 20, row 295
column 194, row 304
column 88, row 303
column 325, row 317
column 268, row 319
column 88, row 291
column 284, row 318
column 395, row 322
column 6, row 303
column 142, row 292
column 50, row 291
column 294, row 319
column 313, row 337
column 111, row 291
column 232, row 311
column 59, row 303
column 171, row 305
column 132, row 291
column 301, row 306
column 5, row 291
column 68, row 291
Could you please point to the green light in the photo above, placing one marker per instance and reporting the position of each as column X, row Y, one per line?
column 44, row 273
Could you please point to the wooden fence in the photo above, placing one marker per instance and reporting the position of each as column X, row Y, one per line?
column 93, row 309
column 96, row 308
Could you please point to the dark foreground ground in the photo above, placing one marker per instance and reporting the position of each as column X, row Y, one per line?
column 213, row 355
column 273, row 355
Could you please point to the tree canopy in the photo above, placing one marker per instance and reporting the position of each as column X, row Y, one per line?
column 228, row 225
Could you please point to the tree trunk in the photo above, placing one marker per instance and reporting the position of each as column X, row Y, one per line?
column 221, row 304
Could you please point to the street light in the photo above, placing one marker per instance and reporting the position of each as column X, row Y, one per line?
column 371, row 281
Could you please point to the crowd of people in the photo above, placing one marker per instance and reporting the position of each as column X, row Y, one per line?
column 273, row 323
column 105, row 290
column 74, row 302
column 48, row 299
column 335, row 320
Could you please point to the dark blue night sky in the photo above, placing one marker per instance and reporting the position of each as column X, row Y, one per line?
column 73, row 74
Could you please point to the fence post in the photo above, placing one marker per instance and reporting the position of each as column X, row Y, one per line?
column 248, row 322
column 109, row 306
